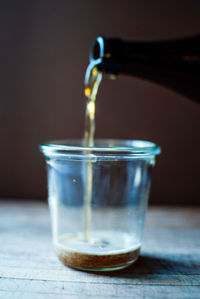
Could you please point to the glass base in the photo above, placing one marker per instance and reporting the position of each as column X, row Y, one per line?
column 104, row 269
column 92, row 262
column 106, row 251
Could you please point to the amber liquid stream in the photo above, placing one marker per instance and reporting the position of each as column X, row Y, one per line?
column 92, row 81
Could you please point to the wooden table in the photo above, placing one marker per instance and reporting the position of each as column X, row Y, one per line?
column 169, row 266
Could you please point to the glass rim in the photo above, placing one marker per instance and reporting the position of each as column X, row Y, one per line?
column 101, row 147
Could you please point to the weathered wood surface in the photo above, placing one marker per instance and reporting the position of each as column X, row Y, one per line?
column 169, row 266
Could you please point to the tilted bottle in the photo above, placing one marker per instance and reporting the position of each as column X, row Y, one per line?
column 174, row 64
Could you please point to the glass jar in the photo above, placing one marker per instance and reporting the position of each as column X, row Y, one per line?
column 98, row 197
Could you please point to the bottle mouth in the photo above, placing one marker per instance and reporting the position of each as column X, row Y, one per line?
column 101, row 148
column 97, row 49
column 106, row 55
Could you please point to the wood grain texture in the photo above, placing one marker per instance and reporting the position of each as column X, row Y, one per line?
column 169, row 266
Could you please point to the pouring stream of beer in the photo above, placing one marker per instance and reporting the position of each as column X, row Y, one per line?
column 92, row 81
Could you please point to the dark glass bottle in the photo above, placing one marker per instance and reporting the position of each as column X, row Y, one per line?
column 174, row 64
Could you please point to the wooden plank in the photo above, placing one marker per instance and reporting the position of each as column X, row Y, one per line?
column 168, row 268
column 95, row 290
column 152, row 270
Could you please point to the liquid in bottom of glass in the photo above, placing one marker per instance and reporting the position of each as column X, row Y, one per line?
column 106, row 250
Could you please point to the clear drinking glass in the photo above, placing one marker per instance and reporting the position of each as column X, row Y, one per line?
column 98, row 197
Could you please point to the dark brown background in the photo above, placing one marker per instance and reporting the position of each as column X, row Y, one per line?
column 44, row 52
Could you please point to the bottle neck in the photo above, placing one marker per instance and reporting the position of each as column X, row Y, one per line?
column 174, row 64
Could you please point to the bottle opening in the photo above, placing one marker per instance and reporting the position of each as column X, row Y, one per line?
column 97, row 49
